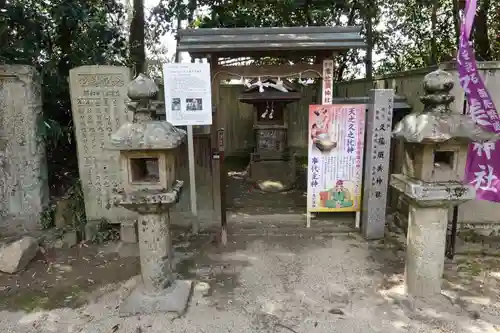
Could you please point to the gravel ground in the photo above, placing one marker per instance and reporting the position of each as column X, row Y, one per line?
column 280, row 284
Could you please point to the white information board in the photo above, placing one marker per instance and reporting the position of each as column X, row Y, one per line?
column 188, row 94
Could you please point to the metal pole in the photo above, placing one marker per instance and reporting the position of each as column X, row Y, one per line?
column 191, row 165
column 452, row 239
column 223, row 175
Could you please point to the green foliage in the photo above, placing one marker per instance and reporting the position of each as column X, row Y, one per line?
column 406, row 34
column 106, row 232
column 77, row 207
column 47, row 217
column 272, row 13
column 56, row 36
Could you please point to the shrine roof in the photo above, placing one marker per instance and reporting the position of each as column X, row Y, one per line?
column 237, row 42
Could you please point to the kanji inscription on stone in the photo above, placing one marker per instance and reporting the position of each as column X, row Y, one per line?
column 24, row 190
column 376, row 172
column 98, row 97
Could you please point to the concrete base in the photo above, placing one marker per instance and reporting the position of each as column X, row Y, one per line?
column 172, row 299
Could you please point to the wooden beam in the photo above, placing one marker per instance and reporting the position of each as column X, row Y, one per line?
column 267, row 53
column 236, row 72
column 217, row 170
column 271, row 30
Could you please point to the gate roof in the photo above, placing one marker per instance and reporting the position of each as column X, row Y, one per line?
column 238, row 42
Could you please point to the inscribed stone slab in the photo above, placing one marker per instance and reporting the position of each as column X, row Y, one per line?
column 98, row 97
column 23, row 172
column 377, row 156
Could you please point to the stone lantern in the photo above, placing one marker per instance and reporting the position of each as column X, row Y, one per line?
column 435, row 144
column 148, row 151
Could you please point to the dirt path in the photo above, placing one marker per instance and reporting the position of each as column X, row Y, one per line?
column 63, row 278
column 313, row 284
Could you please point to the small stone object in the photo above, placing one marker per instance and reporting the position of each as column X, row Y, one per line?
column 17, row 255
column 91, row 230
column 62, row 214
column 70, row 238
column 202, row 287
column 59, row 244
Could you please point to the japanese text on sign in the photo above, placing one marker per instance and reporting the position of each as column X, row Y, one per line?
column 336, row 135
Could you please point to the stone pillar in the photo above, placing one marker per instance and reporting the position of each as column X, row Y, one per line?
column 24, row 190
column 155, row 251
column 425, row 250
column 376, row 168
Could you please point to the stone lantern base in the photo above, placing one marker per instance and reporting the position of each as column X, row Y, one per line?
column 159, row 291
column 427, row 223
column 174, row 298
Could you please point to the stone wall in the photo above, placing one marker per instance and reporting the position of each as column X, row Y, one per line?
column 23, row 173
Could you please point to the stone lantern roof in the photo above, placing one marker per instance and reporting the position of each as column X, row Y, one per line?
column 437, row 123
column 154, row 135
column 145, row 133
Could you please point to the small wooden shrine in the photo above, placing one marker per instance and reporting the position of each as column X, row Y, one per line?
column 272, row 166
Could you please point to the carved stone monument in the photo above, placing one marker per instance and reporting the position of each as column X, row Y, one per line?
column 430, row 180
column 377, row 158
column 98, row 97
column 23, row 173
column 147, row 152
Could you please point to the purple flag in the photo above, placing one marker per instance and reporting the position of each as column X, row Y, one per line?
column 483, row 159
column 470, row 13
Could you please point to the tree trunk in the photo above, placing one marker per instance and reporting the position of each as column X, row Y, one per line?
column 434, row 49
column 191, row 9
column 179, row 23
column 136, row 38
column 369, row 40
column 456, row 21
column 307, row 13
column 4, row 31
column 483, row 47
